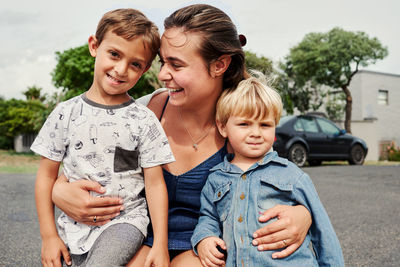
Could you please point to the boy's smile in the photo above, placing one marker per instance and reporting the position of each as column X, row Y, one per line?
column 119, row 65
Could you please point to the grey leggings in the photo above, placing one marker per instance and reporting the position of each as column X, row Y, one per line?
column 114, row 247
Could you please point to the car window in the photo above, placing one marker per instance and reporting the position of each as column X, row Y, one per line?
column 328, row 127
column 309, row 124
column 298, row 126
column 283, row 120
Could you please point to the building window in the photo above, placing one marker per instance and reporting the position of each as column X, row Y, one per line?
column 383, row 97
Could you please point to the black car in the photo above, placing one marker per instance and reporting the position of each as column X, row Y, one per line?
column 314, row 139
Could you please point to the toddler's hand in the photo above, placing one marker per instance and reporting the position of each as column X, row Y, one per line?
column 209, row 254
column 52, row 250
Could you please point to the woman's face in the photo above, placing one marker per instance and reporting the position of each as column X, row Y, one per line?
column 184, row 71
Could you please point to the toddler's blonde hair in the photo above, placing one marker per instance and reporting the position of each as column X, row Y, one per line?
column 253, row 98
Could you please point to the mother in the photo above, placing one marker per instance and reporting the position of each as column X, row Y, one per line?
column 201, row 56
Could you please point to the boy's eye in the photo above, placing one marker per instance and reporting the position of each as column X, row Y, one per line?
column 137, row 65
column 267, row 124
column 114, row 54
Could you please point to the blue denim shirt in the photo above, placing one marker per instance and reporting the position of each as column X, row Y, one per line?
column 232, row 200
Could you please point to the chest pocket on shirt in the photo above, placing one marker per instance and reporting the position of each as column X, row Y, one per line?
column 125, row 160
column 223, row 200
column 271, row 193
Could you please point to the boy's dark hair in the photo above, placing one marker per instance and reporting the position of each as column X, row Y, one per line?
column 130, row 23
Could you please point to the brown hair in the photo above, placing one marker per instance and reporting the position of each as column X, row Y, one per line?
column 219, row 37
column 252, row 98
column 130, row 23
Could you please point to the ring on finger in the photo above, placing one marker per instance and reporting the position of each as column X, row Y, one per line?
column 95, row 218
column 284, row 242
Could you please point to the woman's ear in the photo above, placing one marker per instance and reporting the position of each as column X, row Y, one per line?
column 219, row 66
column 92, row 43
column 221, row 128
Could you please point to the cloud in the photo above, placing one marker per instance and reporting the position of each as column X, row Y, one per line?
column 16, row 18
column 32, row 31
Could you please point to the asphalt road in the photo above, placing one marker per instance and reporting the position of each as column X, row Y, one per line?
column 363, row 203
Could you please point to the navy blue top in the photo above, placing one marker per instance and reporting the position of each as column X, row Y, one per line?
column 184, row 202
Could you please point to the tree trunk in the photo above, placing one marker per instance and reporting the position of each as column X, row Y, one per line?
column 349, row 103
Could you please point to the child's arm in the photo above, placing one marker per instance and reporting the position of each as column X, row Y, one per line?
column 205, row 238
column 52, row 245
column 323, row 237
column 157, row 201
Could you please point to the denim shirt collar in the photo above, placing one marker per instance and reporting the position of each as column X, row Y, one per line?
column 226, row 166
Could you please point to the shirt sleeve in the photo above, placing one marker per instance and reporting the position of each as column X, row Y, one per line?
column 49, row 142
column 323, row 237
column 144, row 100
column 208, row 224
column 154, row 146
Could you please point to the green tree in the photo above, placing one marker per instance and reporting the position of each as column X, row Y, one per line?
column 304, row 98
column 74, row 74
column 262, row 64
column 74, row 71
column 277, row 79
column 332, row 59
column 34, row 93
column 19, row 117
column 335, row 105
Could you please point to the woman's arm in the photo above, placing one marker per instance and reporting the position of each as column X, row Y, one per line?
column 75, row 200
column 288, row 231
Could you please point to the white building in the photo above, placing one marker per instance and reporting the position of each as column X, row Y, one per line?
column 376, row 110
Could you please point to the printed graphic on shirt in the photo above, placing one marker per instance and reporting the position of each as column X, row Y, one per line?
column 109, row 145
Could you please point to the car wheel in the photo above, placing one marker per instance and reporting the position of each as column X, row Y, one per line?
column 298, row 155
column 315, row 162
column 357, row 155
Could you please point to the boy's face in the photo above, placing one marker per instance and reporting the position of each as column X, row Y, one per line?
column 250, row 138
column 118, row 66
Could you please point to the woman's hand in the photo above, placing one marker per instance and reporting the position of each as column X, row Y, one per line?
column 288, row 231
column 75, row 200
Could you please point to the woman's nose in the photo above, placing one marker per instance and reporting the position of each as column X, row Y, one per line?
column 164, row 74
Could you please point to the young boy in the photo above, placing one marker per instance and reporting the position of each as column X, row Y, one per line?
column 252, row 180
column 105, row 136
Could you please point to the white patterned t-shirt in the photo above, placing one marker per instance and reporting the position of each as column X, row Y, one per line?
column 107, row 144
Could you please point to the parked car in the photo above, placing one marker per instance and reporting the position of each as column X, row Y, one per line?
column 314, row 139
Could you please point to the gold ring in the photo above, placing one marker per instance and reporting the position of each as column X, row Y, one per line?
column 284, row 242
column 94, row 218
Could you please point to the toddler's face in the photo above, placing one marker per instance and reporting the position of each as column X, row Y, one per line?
column 250, row 138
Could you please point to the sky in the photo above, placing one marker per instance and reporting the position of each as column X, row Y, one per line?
column 32, row 31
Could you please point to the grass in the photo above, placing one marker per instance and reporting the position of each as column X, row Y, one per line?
column 12, row 162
